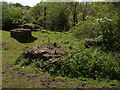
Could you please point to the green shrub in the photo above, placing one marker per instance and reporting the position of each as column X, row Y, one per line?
column 110, row 34
column 22, row 61
column 88, row 29
column 25, row 62
column 18, row 60
column 88, row 63
column 106, row 29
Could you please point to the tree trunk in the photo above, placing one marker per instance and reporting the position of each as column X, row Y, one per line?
column 75, row 14
column 45, row 17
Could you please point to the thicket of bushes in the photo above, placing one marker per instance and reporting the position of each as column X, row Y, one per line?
column 110, row 34
column 88, row 63
column 87, row 29
column 106, row 30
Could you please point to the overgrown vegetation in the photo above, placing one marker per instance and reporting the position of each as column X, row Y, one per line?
column 64, row 68
column 78, row 61
column 13, row 15
column 87, row 29
column 110, row 35
column 92, row 63
column 69, row 25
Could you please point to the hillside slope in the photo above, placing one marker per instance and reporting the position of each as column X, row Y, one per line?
column 15, row 76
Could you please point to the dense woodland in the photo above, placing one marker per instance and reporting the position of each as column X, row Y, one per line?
column 84, row 20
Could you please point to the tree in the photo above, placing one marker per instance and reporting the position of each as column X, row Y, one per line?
column 75, row 14
column 11, row 16
column 51, row 16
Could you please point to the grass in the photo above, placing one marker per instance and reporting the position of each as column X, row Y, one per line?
column 14, row 75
